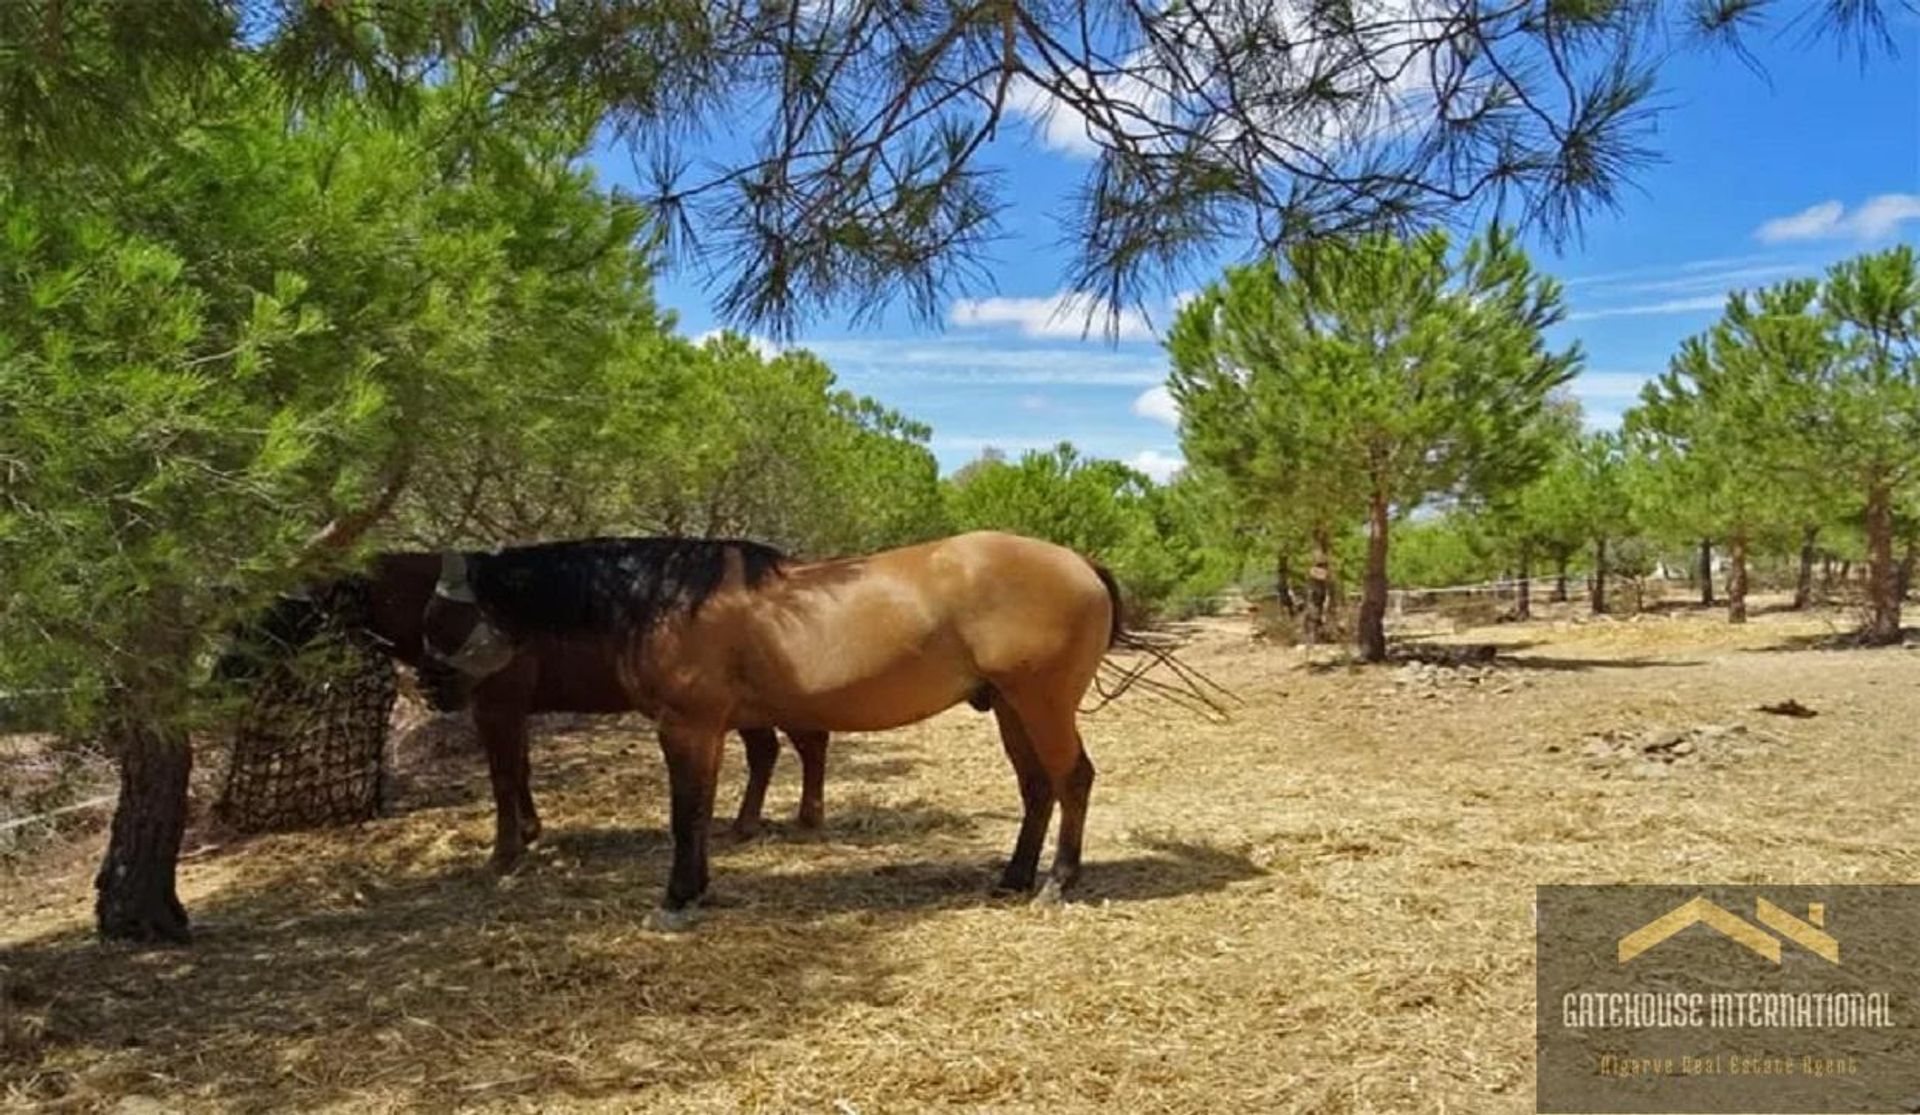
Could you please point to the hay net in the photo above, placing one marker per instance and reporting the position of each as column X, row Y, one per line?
column 307, row 745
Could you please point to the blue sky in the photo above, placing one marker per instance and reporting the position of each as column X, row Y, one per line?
column 1761, row 179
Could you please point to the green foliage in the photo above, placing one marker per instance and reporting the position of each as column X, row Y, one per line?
column 222, row 369
column 1444, row 550
column 1152, row 537
column 1729, row 409
column 677, row 438
column 1369, row 378
column 852, row 173
column 1803, row 401
column 270, row 342
column 1087, row 504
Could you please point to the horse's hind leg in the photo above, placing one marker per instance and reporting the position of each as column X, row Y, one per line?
column 1036, row 795
column 1057, row 750
column 1073, row 795
column 529, row 818
column 812, row 748
column 763, row 751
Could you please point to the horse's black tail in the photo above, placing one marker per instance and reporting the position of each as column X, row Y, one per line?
column 1118, row 634
column 1192, row 689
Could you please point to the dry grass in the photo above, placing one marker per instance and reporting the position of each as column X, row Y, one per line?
column 1321, row 906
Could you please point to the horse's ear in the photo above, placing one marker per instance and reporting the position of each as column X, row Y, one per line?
column 453, row 584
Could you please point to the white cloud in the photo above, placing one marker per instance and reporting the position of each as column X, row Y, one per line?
column 1602, row 418
column 1160, row 466
column 1670, row 306
column 971, row 363
column 1812, row 223
column 1058, row 126
column 1074, row 314
column 767, row 348
column 1609, row 385
column 1659, row 270
column 1717, row 280
column 1875, row 219
column 1157, row 403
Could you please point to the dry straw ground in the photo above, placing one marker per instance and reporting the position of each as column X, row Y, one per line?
column 1321, row 906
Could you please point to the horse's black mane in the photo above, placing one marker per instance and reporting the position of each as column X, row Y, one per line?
column 610, row 585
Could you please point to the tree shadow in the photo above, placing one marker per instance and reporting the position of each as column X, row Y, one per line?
column 1836, row 640
column 1550, row 663
column 300, row 993
column 1681, row 606
column 1167, row 869
column 343, row 985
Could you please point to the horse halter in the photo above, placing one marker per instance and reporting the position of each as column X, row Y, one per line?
column 487, row 649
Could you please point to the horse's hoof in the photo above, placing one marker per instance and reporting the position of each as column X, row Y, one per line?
column 504, row 865
column 662, row 920
column 811, row 819
column 744, row 831
column 1050, row 894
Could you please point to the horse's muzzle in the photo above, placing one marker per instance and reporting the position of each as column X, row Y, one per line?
column 447, row 689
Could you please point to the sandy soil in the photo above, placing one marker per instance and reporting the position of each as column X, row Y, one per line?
column 1322, row 905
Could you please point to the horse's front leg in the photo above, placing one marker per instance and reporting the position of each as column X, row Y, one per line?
column 812, row 748
column 503, row 733
column 693, row 769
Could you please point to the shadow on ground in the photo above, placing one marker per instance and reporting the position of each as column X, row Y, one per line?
column 1836, row 640
column 410, row 976
column 1582, row 665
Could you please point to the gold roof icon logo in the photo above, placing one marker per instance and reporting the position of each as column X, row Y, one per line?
column 1807, row 933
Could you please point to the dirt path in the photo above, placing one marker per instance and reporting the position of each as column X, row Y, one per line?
column 1322, row 906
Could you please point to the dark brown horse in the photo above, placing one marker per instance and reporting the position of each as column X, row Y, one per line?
column 708, row 637
column 390, row 601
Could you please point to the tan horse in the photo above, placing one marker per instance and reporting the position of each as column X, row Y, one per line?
column 707, row 637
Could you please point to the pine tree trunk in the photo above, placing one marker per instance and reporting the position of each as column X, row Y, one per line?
column 136, row 899
column 1883, row 602
column 1706, row 572
column 1283, row 583
column 1597, row 599
column 1561, row 557
column 1803, row 587
column 1319, row 587
column 1737, row 577
column 1372, row 628
column 1523, row 595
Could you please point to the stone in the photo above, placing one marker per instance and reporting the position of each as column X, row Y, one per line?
column 1661, row 739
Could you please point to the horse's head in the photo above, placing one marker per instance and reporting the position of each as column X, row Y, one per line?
column 277, row 634
column 463, row 645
